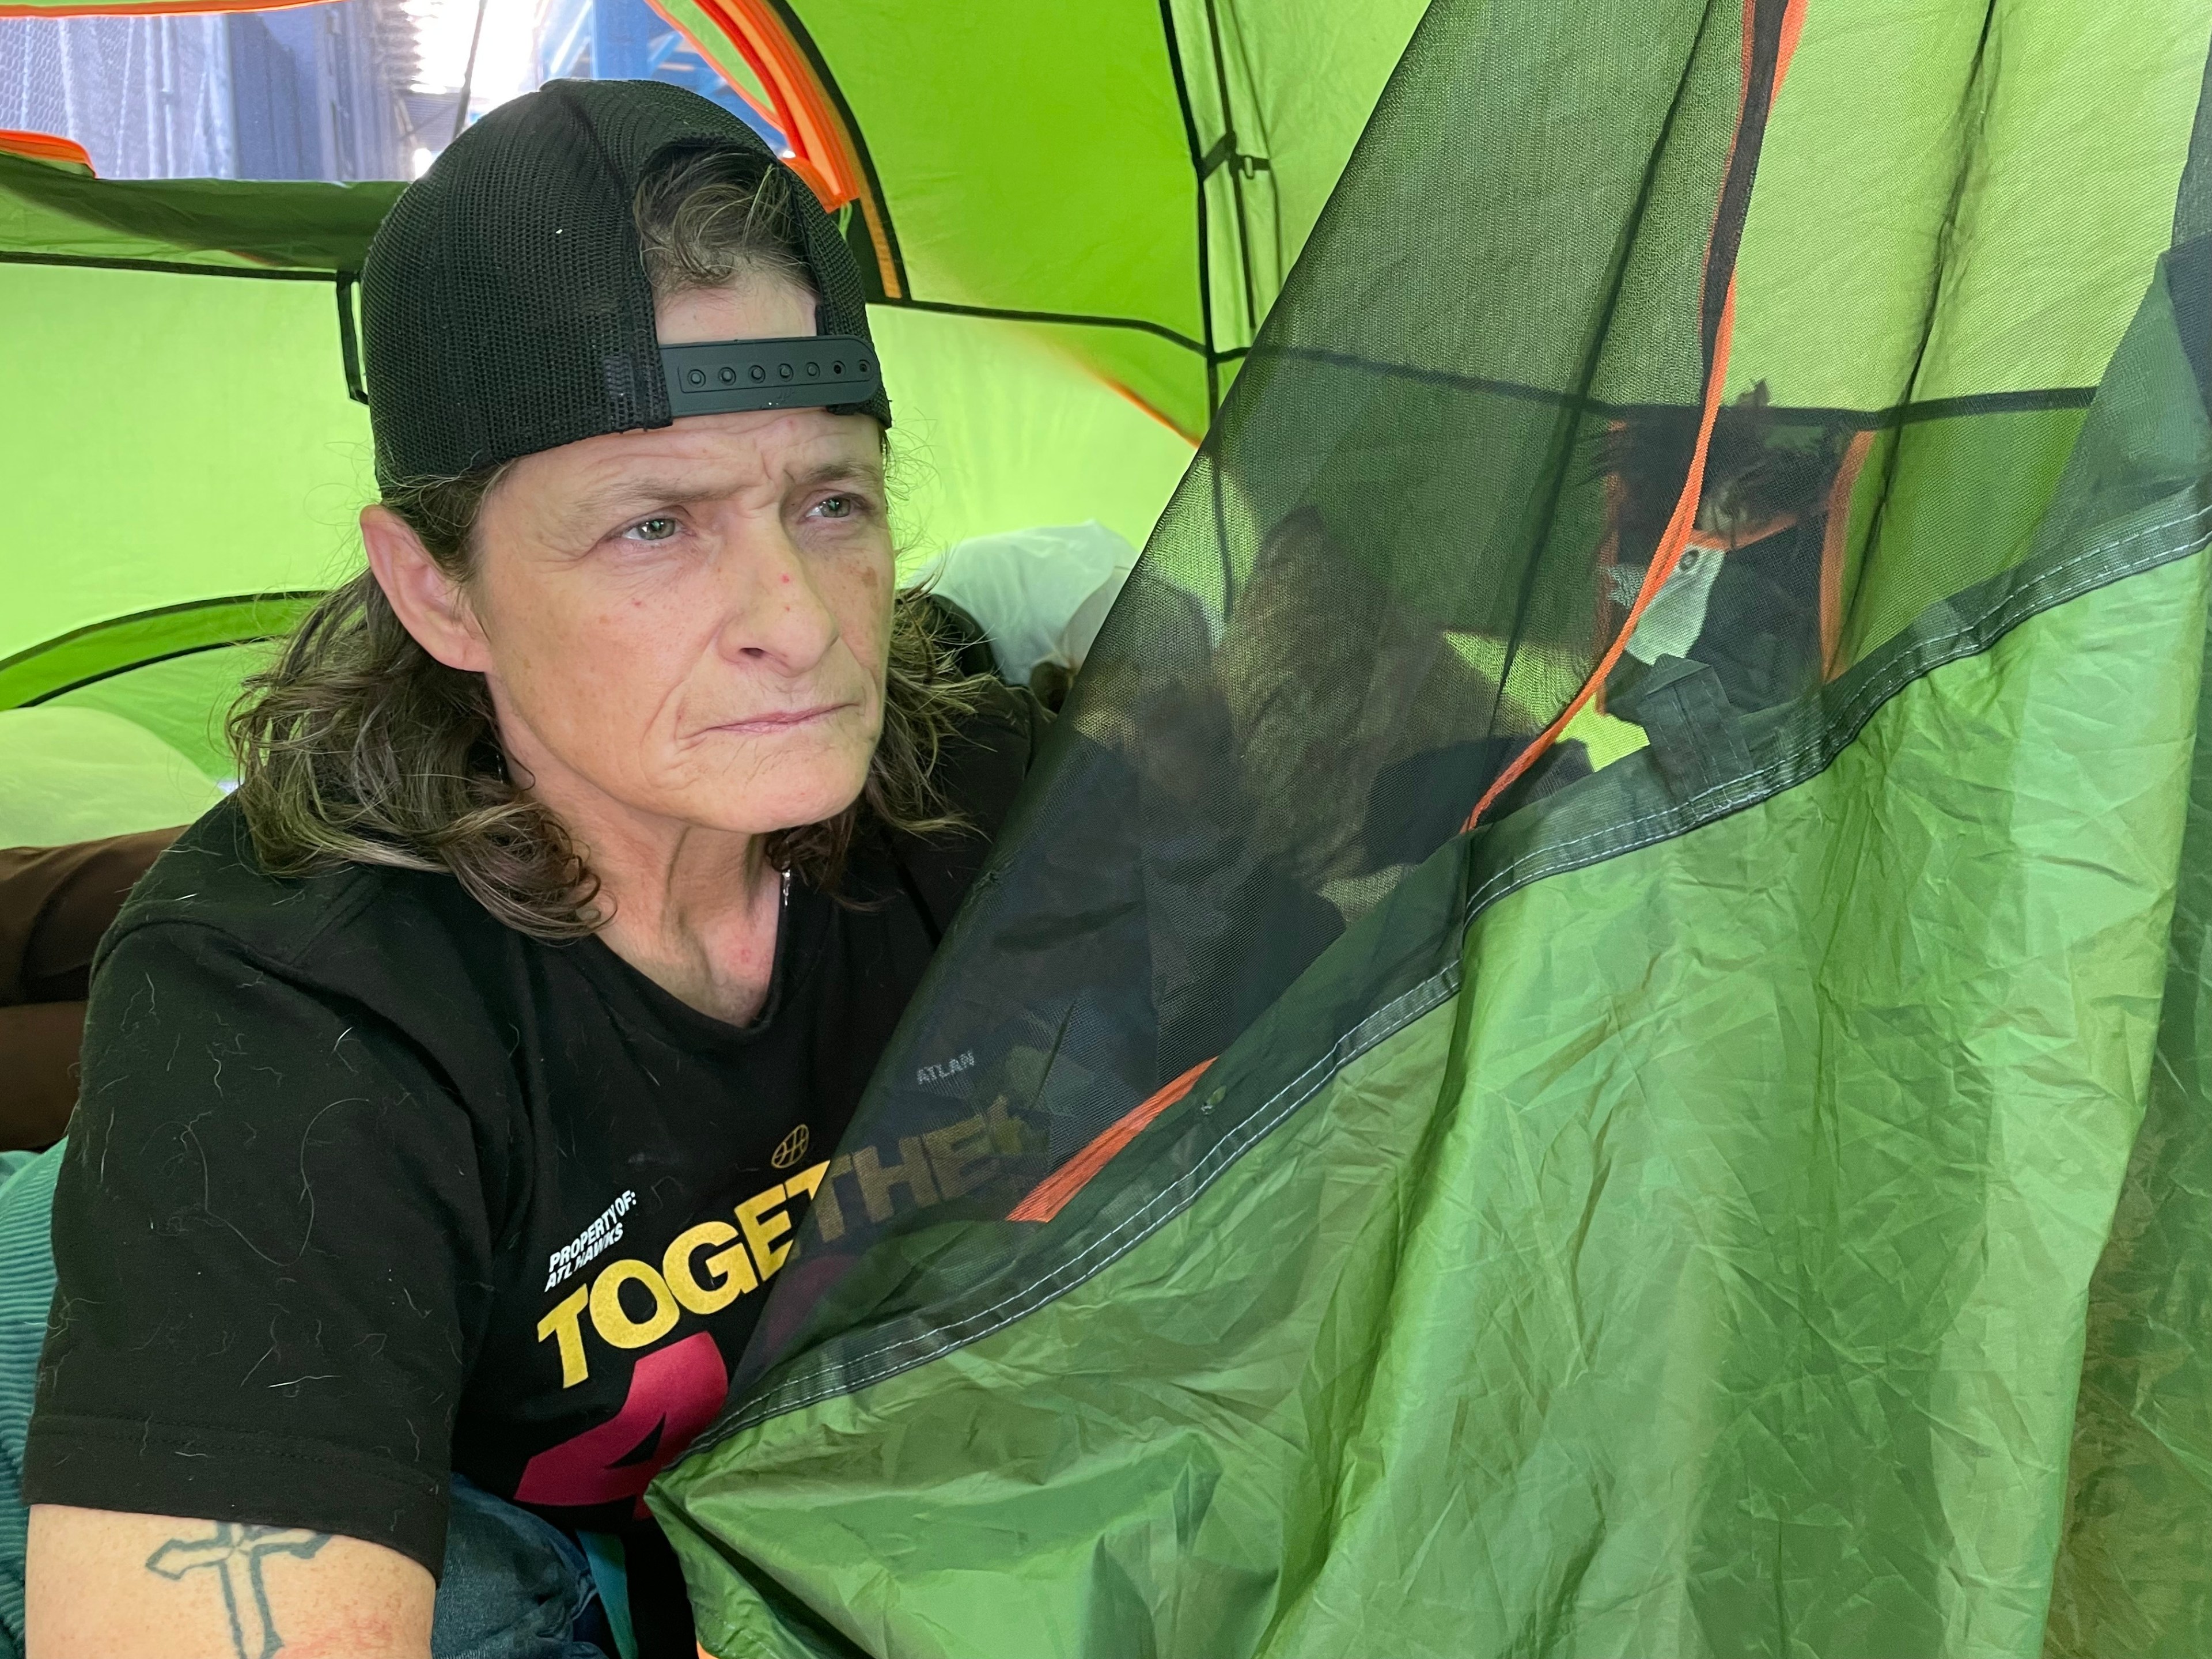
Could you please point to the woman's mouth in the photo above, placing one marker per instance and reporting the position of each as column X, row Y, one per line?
column 785, row 719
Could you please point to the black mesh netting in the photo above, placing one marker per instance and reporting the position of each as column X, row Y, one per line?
column 1398, row 557
column 1475, row 504
column 504, row 309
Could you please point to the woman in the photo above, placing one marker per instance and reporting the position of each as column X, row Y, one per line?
column 450, row 1092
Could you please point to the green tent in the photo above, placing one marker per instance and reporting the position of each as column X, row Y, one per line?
column 1134, row 177
column 1070, row 222
column 1747, row 1195
column 185, row 462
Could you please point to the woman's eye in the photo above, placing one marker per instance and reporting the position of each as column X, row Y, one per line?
column 837, row 507
column 652, row 530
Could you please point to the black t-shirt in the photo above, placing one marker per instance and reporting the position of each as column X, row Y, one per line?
column 365, row 1186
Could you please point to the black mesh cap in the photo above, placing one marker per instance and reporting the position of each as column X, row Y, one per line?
column 504, row 302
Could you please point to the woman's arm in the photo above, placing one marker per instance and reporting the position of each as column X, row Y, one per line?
column 269, row 1242
column 102, row 1585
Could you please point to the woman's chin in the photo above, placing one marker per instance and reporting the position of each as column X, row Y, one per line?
column 786, row 798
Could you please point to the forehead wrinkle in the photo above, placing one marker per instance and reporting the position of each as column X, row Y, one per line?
column 653, row 491
column 850, row 468
column 618, row 493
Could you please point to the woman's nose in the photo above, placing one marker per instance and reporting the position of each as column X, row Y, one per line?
column 775, row 611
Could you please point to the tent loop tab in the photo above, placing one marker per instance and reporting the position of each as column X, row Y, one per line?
column 1224, row 150
column 348, row 337
column 1696, row 737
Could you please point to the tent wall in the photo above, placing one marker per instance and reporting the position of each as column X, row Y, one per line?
column 1143, row 173
column 1736, row 1201
column 185, row 462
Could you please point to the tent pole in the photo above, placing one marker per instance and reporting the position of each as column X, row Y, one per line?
column 469, row 73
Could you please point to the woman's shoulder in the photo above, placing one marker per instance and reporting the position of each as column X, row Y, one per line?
column 212, row 880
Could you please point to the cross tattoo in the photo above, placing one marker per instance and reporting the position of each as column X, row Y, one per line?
column 236, row 1552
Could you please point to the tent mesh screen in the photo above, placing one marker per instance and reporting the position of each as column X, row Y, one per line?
column 1490, row 497
column 1419, row 524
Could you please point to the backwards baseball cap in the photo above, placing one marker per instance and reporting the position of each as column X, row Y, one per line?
column 505, row 307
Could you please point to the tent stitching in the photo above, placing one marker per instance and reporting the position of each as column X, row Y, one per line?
column 1377, row 1027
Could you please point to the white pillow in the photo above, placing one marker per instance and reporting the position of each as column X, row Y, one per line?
column 1040, row 595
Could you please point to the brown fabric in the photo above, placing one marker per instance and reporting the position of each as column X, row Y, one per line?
column 38, row 1045
column 55, row 904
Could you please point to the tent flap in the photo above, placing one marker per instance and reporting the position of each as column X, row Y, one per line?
column 1716, row 1205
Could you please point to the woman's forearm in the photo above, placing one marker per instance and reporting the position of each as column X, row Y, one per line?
column 104, row 1585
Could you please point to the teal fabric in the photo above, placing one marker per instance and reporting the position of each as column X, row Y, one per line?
column 26, row 1286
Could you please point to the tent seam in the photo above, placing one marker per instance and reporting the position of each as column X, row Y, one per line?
column 1749, row 788
column 1377, row 1028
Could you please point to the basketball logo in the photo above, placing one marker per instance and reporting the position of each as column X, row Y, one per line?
column 790, row 1149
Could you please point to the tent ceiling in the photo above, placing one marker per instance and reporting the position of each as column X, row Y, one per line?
column 1136, row 177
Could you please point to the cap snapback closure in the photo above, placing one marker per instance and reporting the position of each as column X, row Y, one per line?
column 719, row 377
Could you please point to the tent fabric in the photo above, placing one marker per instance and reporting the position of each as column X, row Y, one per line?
column 1151, row 169
column 1739, row 1198
column 1135, row 177
column 1502, row 1343
column 180, row 422
column 84, row 773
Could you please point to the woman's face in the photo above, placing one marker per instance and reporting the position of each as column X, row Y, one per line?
column 692, row 622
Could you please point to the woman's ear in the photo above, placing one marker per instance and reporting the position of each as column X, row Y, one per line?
column 430, row 603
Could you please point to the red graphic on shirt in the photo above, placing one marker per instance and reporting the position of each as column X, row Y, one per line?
column 674, row 1392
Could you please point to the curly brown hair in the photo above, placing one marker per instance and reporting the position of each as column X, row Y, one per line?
column 358, row 747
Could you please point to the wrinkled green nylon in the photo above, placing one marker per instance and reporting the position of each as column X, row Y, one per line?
column 2132, row 1577
column 1933, row 218
column 1698, row 1282
column 264, row 225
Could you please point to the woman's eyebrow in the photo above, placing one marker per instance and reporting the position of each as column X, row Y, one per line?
column 839, row 471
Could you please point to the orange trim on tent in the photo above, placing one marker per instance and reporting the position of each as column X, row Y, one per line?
column 1608, row 557
column 1679, row 527
column 1131, row 398
column 1785, row 45
column 1835, row 545
column 1051, row 1194
column 1793, row 26
column 822, row 152
column 808, row 118
column 764, row 111
column 45, row 147
column 1669, row 554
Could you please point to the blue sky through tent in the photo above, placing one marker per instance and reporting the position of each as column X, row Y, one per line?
column 347, row 89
